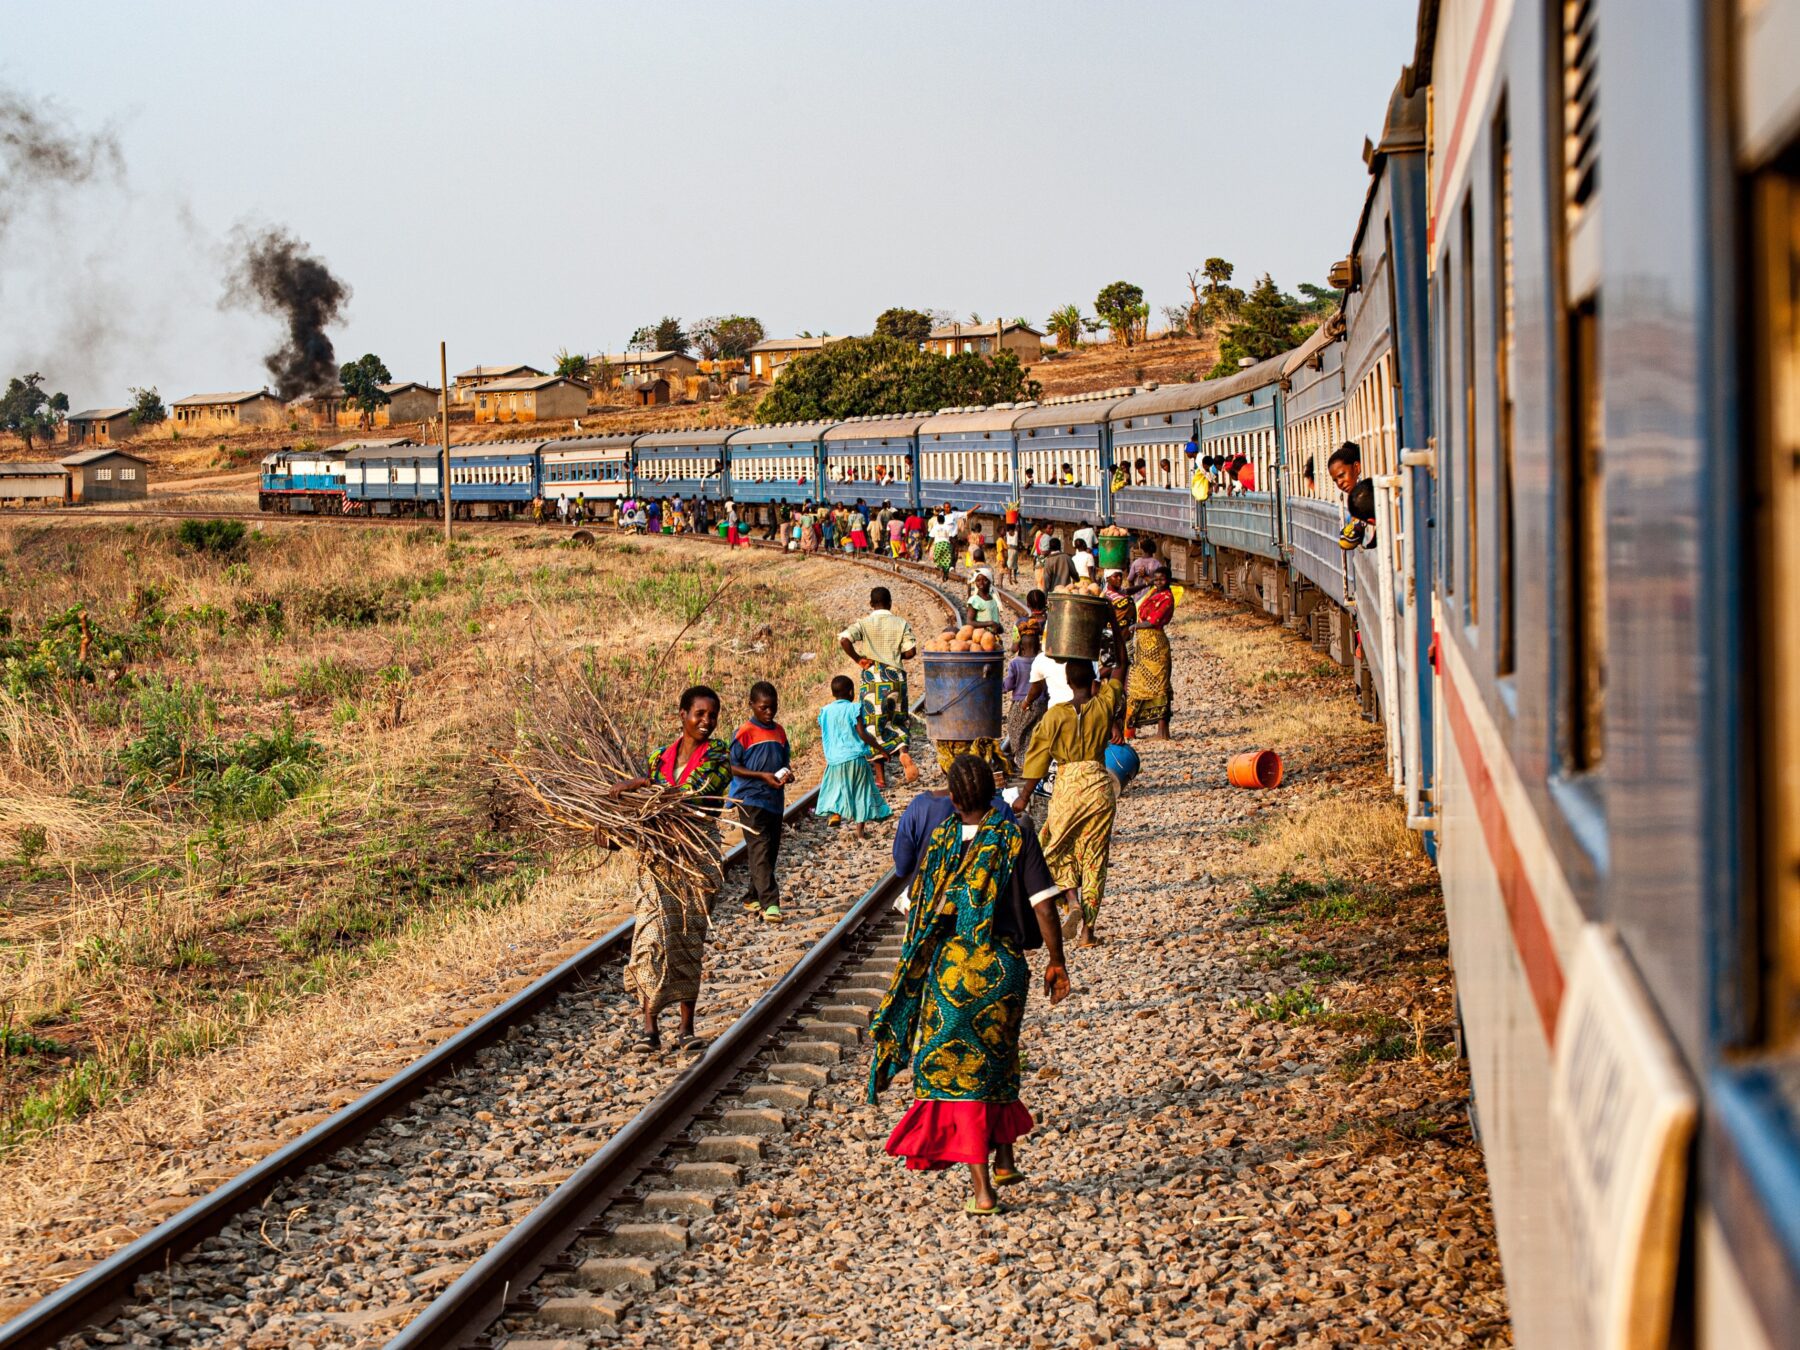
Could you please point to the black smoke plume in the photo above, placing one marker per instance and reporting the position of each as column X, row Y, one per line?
column 39, row 153
column 280, row 275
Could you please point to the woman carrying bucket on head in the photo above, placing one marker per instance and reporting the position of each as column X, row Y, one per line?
column 1077, row 836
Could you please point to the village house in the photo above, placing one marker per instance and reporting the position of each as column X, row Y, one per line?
column 1021, row 339
column 100, row 426
column 634, row 368
column 104, row 475
column 546, row 398
column 34, row 483
column 227, row 412
column 771, row 354
column 463, row 387
column 407, row 402
column 317, row 411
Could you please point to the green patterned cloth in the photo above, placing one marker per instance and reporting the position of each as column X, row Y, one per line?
column 959, row 990
column 885, row 712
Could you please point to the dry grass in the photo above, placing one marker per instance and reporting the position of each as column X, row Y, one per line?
column 312, row 1058
column 1108, row 365
column 150, row 915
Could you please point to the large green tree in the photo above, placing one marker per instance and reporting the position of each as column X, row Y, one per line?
column 32, row 412
column 909, row 325
column 728, row 337
column 1120, row 306
column 1319, row 300
column 665, row 335
column 861, row 376
column 147, row 408
column 362, row 380
column 1268, row 323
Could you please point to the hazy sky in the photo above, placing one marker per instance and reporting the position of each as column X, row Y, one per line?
column 515, row 178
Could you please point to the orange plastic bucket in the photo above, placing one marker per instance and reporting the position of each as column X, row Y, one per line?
column 1255, row 769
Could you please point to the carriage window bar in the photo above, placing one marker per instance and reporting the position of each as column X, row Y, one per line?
column 1505, row 601
column 1470, row 444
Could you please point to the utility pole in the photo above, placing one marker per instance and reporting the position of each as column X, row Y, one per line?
column 444, row 429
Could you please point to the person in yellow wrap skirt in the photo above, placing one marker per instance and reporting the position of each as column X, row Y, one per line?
column 1150, row 692
column 1077, row 835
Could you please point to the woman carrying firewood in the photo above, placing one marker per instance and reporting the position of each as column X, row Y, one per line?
column 674, row 908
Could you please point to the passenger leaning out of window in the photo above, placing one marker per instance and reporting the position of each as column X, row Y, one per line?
column 1345, row 468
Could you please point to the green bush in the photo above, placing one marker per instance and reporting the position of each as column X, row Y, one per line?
column 211, row 536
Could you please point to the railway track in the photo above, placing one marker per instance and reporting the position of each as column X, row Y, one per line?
column 363, row 1182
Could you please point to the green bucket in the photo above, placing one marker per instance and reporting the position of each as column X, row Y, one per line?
column 1113, row 551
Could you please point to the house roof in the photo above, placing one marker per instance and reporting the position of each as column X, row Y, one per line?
column 99, row 414
column 30, row 468
column 81, row 457
column 236, row 396
column 796, row 344
column 516, row 386
column 640, row 358
column 495, row 372
column 982, row 330
column 401, row 387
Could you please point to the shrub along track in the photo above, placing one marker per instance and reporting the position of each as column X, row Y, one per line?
column 540, row 1078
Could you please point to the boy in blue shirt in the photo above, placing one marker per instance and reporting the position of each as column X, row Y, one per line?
column 759, row 778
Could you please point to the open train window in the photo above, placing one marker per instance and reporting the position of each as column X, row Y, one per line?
column 1448, row 467
column 1505, row 317
column 1470, row 441
column 1774, row 290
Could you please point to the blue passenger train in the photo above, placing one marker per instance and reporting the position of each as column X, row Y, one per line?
column 1574, row 602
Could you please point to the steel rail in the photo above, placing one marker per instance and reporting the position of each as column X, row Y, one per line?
column 89, row 1297
column 92, row 1295
column 490, row 1288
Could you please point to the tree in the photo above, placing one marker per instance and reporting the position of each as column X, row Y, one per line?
column 30, row 411
column 909, row 325
column 1120, row 306
column 665, row 335
column 147, row 408
column 1320, row 300
column 1221, row 302
column 362, row 380
column 728, row 337
column 1066, row 325
column 862, row 376
column 571, row 365
column 1267, row 324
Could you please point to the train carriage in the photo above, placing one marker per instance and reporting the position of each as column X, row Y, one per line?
column 1150, row 433
column 1315, row 428
column 772, row 464
column 966, row 459
column 491, row 480
column 1062, row 458
column 1244, row 531
column 294, row 482
column 393, row 480
column 873, row 458
column 595, row 468
column 688, row 463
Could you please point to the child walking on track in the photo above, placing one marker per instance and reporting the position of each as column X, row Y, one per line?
column 759, row 778
column 848, row 791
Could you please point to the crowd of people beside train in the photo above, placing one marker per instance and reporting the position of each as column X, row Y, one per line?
column 1010, row 856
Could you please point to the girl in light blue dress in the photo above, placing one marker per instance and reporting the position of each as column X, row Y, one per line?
column 848, row 791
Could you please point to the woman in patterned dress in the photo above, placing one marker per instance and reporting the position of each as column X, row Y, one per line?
column 1149, row 694
column 674, row 911
column 956, row 1003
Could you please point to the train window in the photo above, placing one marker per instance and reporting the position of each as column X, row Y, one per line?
column 1585, row 543
column 1775, row 475
column 1447, row 464
column 1470, row 442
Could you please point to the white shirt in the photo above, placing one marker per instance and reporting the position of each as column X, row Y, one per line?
column 1084, row 563
column 1086, row 536
column 1055, row 678
column 942, row 531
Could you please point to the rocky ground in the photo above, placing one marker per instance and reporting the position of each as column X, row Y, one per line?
column 1252, row 1126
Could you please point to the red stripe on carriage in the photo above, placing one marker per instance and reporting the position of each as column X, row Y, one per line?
column 1531, row 937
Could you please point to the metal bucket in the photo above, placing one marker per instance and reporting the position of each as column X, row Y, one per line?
column 962, row 695
column 1076, row 626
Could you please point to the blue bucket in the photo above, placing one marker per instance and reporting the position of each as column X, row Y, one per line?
column 963, row 695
